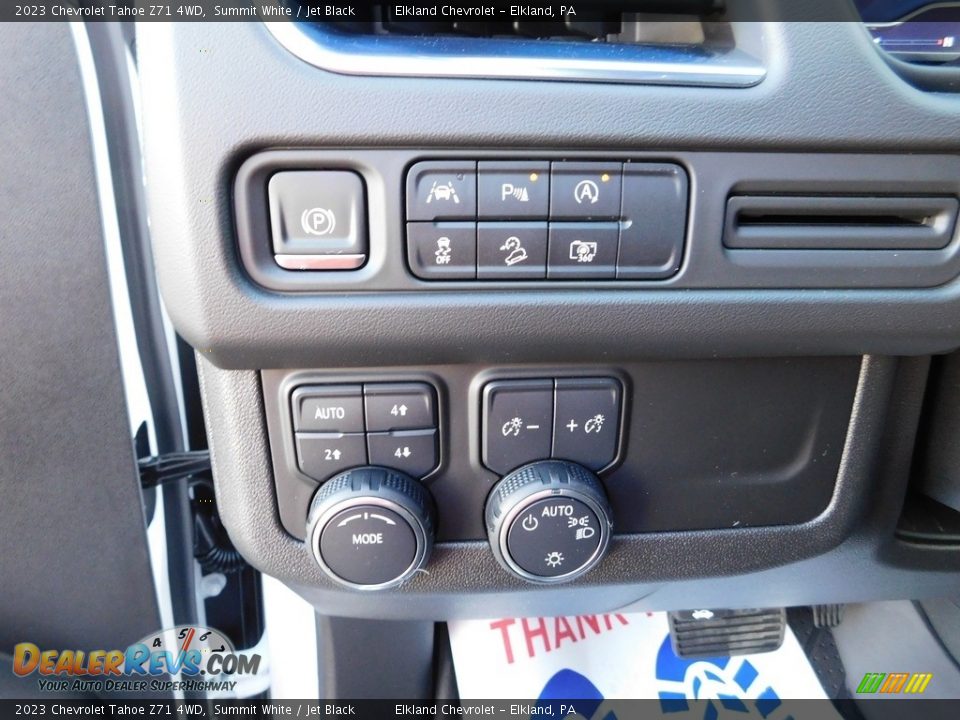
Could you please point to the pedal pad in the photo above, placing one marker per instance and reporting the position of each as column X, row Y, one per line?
column 716, row 633
column 827, row 616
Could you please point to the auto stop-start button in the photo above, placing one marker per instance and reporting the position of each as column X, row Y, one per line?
column 554, row 537
column 368, row 545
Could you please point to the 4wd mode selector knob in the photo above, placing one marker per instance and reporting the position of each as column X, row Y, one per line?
column 371, row 527
column 549, row 521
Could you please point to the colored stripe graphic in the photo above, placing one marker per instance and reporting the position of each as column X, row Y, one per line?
column 871, row 682
column 918, row 683
column 892, row 683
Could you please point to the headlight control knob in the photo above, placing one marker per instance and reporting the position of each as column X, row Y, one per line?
column 549, row 521
column 371, row 527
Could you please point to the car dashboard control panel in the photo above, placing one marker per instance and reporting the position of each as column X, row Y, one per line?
column 540, row 220
column 453, row 221
column 548, row 465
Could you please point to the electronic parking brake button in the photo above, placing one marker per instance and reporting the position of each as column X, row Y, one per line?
column 318, row 219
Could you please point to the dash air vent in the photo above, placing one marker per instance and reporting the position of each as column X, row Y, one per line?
column 839, row 223
column 680, row 42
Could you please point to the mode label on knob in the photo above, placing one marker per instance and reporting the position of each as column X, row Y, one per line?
column 368, row 545
column 554, row 536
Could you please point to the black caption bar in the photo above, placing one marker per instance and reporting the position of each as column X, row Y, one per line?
column 417, row 11
column 381, row 709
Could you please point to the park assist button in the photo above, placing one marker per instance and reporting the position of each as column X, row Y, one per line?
column 513, row 190
column 328, row 408
column 318, row 219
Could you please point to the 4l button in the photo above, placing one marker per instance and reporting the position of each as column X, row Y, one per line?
column 587, row 420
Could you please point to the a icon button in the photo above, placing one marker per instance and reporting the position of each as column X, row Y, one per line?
column 443, row 193
column 399, row 406
column 554, row 559
column 318, row 221
column 585, row 190
column 513, row 251
column 441, row 256
column 583, row 251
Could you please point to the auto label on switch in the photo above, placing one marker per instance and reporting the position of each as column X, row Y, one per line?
column 333, row 408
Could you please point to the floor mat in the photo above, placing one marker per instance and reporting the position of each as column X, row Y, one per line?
column 624, row 656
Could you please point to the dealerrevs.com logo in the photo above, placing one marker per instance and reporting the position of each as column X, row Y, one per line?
column 187, row 657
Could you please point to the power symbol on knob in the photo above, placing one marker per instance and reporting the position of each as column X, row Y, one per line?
column 530, row 523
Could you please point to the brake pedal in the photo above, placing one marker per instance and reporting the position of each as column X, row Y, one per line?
column 713, row 633
column 827, row 616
